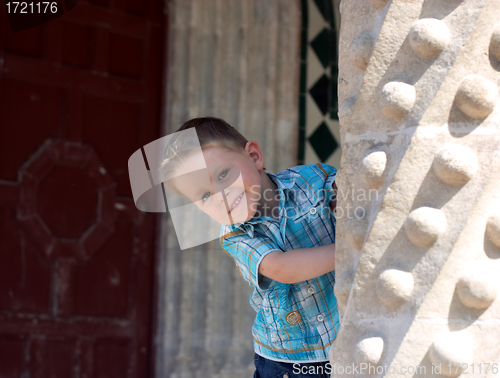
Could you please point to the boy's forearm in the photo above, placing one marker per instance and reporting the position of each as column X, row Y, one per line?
column 299, row 264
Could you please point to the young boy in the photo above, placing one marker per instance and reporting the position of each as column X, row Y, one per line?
column 280, row 229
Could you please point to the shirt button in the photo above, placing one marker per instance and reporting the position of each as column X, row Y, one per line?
column 285, row 375
column 311, row 290
column 312, row 210
column 320, row 318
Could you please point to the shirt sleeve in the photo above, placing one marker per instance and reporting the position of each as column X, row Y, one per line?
column 248, row 253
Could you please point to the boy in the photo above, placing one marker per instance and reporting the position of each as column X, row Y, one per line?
column 280, row 230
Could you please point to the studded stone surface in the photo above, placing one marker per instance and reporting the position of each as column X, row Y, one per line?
column 428, row 37
column 453, row 350
column 477, row 286
column 455, row 164
column 495, row 42
column 477, row 96
column 425, row 225
column 394, row 287
column 493, row 229
column 369, row 350
column 397, row 99
column 357, row 228
column 414, row 271
column 372, row 169
column 361, row 49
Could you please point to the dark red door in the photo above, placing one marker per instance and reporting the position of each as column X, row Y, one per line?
column 78, row 96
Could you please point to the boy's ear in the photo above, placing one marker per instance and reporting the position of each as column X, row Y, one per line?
column 253, row 150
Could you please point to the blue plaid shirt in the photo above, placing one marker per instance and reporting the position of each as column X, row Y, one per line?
column 299, row 321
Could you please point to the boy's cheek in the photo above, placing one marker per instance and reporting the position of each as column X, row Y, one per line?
column 255, row 190
column 254, row 206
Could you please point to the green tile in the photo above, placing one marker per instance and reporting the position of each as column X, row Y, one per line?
column 302, row 109
column 324, row 91
column 325, row 7
column 305, row 14
column 333, row 47
column 303, row 77
column 320, row 93
column 322, row 6
column 321, row 47
column 331, row 19
column 334, row 104
column 334, row 71
column 303, row 45
column 302, row 146
column 323, row 142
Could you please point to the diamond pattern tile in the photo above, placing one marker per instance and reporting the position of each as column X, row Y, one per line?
column 334, row 105
column 323, row 142
column 323, row 8
column 321, row 47
column 320, row 93
column 318, row 125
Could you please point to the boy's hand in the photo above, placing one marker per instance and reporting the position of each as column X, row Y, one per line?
column 298, row 264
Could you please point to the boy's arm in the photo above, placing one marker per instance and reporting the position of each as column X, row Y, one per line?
column 298, row 264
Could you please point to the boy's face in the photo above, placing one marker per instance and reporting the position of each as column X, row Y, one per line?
column 229, row 191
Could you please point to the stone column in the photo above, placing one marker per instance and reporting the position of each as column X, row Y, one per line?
column 419, row 123
column 237, row 60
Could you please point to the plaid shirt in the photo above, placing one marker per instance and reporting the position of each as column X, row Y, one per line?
column 299, row 321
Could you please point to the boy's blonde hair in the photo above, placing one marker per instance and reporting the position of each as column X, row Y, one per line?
column 212, row 132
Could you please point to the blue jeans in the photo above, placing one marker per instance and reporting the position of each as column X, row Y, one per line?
column 272, row 369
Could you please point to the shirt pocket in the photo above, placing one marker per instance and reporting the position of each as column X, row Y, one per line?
column 281, row 320
column 311, row 213
column 322, row 220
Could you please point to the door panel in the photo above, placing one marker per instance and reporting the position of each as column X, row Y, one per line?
column 78, row 96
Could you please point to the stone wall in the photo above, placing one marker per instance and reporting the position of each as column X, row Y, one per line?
column 417, row 255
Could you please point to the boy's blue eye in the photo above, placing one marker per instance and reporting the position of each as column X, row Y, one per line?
column 223, row 174
column 205, row 196
column 208, row 194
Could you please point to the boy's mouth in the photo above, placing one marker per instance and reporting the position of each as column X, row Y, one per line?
column 236, row 202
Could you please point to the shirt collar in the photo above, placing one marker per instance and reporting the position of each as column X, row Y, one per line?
column 300, row 197
column 282, row 183
column 285, row 186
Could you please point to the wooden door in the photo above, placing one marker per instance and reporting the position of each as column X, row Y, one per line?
column 78, row 96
